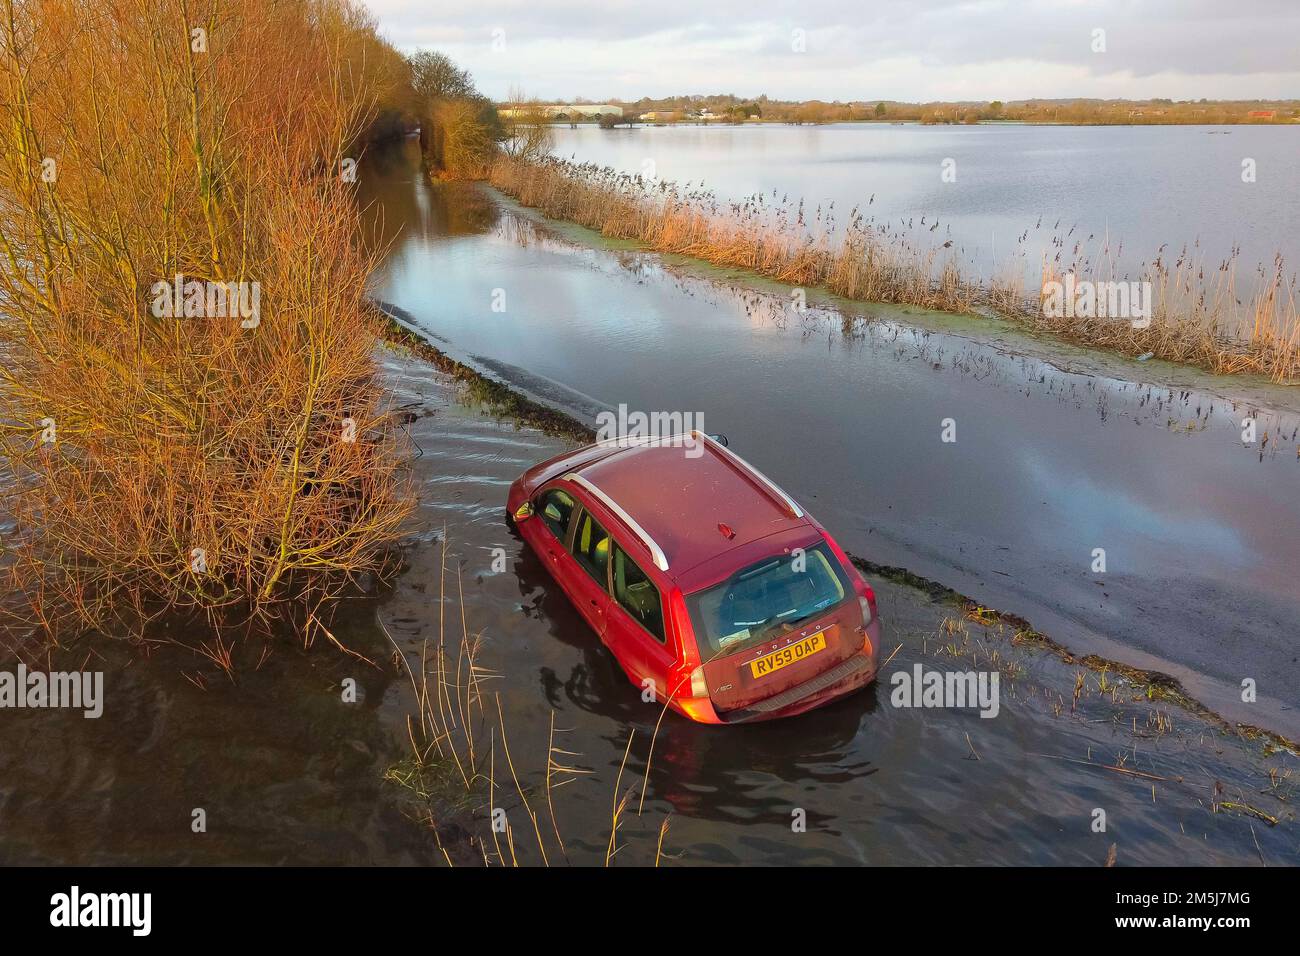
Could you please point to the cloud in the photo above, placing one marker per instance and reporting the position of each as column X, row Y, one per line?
column 913, row 50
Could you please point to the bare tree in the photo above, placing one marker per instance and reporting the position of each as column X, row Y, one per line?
column 435, row 77
column 527, row 127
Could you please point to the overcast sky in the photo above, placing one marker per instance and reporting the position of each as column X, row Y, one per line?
column 862, row 49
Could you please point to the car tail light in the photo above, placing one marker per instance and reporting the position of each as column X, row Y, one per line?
column 868, row 604
column 682, row 626
column 839, row 552
column 866, row 596
column 870, row 596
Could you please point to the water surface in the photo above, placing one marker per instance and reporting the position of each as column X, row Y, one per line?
column 290, row 772
column 846, row 409
column 1147, row 187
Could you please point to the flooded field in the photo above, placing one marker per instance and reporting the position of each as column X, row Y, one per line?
column 1145, row 187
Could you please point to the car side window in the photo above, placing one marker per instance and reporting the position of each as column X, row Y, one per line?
column 556, row 508
column 638, row 595
column 591, row 546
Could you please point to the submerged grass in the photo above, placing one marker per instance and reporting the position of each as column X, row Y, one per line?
column 1151, row 685
column 460, row 759
column 1202, row 314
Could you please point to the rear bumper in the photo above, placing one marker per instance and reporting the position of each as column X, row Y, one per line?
column 844, row 678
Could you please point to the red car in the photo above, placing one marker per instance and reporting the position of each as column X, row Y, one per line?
column 706, row 581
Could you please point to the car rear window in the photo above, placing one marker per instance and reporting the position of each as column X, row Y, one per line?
column 782, row 589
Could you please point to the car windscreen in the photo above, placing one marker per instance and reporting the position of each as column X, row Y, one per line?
column 784, row 589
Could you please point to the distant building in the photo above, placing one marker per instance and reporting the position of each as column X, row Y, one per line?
column 1262, row 114
column 657, row 116
column 567, row 110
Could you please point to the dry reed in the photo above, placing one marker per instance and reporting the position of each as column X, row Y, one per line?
column 240, row 468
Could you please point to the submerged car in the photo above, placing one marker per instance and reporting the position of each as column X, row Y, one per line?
column 705, row 580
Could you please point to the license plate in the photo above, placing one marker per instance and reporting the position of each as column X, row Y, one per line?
column 788, row 655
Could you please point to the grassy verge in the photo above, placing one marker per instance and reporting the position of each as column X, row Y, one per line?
column 499, row 399
column 1155, row 685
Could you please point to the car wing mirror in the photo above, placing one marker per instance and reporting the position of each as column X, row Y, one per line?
column 524, row 511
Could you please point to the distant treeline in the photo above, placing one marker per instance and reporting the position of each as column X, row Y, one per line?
column 1073, row 111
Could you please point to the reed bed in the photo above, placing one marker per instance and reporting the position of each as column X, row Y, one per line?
column 242, row 470
column 1203, row 314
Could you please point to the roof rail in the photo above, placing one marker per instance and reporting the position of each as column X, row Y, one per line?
column 637, row 441
column 779, row 496
column 765, row 483
column 656, row 552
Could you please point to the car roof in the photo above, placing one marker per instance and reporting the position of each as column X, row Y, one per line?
column 674, row 498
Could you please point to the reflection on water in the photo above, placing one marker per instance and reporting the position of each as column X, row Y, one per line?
column 452, row 209
column 845, row 409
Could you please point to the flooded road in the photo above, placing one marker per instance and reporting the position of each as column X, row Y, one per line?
column 287, row 771
column 1057, row 458
column 872, row 783
column 1078, row 766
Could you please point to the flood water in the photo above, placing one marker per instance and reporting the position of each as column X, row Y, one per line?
column 1147, row 187
column 287, row 771
column 1053, row 459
